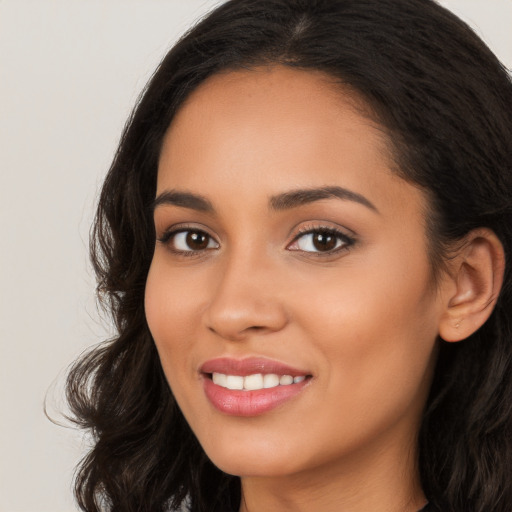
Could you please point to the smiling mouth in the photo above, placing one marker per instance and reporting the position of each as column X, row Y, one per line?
column 254, row 382
column 253, row 394
column 251, row 386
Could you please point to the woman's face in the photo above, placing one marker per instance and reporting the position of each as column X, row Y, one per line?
column 291, row 262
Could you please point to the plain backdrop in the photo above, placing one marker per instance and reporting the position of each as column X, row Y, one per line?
column 70, row 71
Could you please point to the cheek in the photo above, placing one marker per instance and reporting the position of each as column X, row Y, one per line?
column 172, row 307
column 370, row 299
column 376, row 324
column 173, row 299
column 375, row 345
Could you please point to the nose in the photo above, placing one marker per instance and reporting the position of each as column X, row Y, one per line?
column 247, row 301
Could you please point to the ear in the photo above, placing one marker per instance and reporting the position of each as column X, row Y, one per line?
column 475, row 280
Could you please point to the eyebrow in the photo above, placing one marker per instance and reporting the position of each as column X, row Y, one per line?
column 280, row 202
column 299, row 197
column 183, row 199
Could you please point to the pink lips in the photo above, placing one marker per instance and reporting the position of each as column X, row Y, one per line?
column 249, row 403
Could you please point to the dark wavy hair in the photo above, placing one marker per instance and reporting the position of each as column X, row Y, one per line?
column 445, row 102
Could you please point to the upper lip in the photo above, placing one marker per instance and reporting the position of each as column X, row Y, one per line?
column 249, row 366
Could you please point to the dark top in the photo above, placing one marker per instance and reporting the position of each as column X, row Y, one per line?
column 427, row 508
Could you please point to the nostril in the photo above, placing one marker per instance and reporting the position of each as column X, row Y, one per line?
column 235, row 318
column 237, row 335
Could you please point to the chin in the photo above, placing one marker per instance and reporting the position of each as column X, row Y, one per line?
column 254, row 467
column 246, row 460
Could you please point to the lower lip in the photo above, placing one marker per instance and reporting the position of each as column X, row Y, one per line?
column 250, row 403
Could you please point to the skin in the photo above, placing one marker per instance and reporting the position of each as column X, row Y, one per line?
column 362, row 320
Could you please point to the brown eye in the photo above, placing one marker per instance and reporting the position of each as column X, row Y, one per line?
column 321, row 241
column 191, row 241
column 197, row 240
column 324, row 241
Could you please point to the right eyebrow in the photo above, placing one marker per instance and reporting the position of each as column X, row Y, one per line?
column 183, row 199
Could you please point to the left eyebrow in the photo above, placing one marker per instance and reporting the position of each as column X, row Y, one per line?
column 299, row 197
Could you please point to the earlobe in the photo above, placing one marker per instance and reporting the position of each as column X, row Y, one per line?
column 476, row 276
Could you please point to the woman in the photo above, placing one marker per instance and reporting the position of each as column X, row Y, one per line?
column 305, row 240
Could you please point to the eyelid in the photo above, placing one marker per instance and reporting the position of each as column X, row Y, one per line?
column 185, row 226
column 176, row 229
column 311, row 228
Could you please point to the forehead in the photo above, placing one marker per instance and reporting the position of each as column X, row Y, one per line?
column 272, row 94
column 270, row 129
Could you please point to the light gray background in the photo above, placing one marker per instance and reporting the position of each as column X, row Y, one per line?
column 70, row 71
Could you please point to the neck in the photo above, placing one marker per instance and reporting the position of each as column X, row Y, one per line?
column 382, row 480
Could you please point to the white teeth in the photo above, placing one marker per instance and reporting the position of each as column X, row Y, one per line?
column 219, row 379
column 270, row 380
column 234, row 382
column 254, row 382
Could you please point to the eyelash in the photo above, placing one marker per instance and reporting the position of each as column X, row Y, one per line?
column 346, row 241
column 168, row 236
